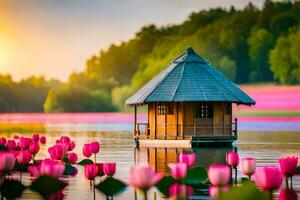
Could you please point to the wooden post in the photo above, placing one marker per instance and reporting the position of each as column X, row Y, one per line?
column 155, row 121
column 176, row 118
column 165, row 128
column 182, row 118
column 135, row 120
column 235, row 126
column 223, row 118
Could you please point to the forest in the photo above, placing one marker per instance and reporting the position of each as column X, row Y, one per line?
column 250, row 46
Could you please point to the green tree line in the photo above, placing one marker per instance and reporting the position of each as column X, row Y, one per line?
column 249, row 45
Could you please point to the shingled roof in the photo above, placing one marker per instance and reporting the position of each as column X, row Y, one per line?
column 190, row 78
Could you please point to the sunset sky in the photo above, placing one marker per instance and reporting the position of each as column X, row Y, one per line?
column 55, row 37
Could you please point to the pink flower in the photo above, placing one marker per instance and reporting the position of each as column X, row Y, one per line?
column 43, row 140
column 178, row 170
column 109, row 169
column 72, row 145
column 25, row 143
column 188, row 159
column 35, row 137
column 72, row 157
column 144, row 177
column 65, row 139
column 90, row 171
column 180, row 191
column 11, row 145
column 3, row 141
column 57, row 152
column 232, row 159
column 87, row 150
column 95, row 147
column 16, row 137
column 288, row 165
column 100, row 168
column 219, row 174
column 287, row 194
column 248, row 166
column 34, row 148
column 53, row 168
column 268, row 178
column 7, row 161
column 24, row 157
column 214, row 191
column 34, row 170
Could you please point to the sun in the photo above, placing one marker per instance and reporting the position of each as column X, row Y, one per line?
column 5, row 50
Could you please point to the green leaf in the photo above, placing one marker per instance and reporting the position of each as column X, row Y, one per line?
column 21, row 167
column 12, row 189
column 3, row 148
column 196, row 176
column 111, row 186
column 69, row 169
column 66, row 160
column 298, row 170
column 247, row 191
column 164, row 184
column 85, row 161
column 47, row 185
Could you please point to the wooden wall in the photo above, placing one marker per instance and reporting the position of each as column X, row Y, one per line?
column 164, row 126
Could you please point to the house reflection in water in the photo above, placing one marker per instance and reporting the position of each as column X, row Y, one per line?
column 158, row 158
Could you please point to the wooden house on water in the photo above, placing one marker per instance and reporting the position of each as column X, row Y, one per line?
column 189, row 102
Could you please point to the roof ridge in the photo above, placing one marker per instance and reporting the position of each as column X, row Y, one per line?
column 183, row 68
column 163, row 79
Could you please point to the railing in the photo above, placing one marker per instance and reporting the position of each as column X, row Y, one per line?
column 195, row 129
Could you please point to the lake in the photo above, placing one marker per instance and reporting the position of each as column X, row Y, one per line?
column 266, row 139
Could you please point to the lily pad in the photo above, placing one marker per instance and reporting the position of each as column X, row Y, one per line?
column 196, row 176
column 12, row 189
column 111, row 186
column 47, row 185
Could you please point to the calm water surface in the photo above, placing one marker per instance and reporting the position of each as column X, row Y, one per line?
column 117, row 146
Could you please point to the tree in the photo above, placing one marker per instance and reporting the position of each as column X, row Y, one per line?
column 284, row 58
column 260, row 42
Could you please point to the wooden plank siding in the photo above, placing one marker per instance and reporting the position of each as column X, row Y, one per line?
column 182, row 123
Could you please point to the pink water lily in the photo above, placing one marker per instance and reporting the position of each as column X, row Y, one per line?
column 52, row 167
column 268, row 177
column 188, row 159
column 3, row 141
column 144, row 177
column 24, row 143
column 35, row 137
column 180, row 191
column 11, row 145
column 232, row 159
column 109, row 169
column 178, row 170
column 7, row 161
column 219, row 174
column 58, row 151
column 49, row 167
column 86, row 150
column 43, row 139
column 214, row 191
column 24, row 157
column 288, row 165
column 90, row 171
column 248, row 166
column 95, row 147
column 34, row 148
column 72, row 157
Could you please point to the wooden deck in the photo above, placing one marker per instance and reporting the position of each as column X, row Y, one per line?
column 188, row 142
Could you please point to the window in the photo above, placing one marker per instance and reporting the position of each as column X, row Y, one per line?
column 170, row 110
column 204, row 110
column 160, row 109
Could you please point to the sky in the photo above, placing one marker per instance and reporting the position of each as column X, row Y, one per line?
column 55, row 37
